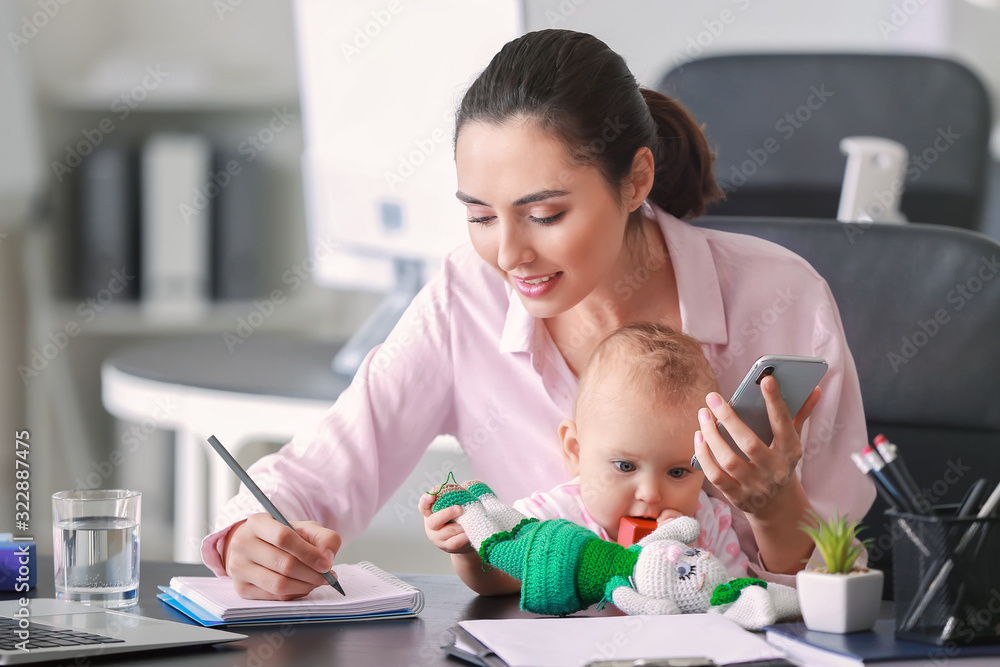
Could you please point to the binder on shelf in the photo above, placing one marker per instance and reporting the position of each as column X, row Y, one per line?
column 107, row 263
column 237, row 246
column 175, row 226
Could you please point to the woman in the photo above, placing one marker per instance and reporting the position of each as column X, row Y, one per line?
column 575, row 181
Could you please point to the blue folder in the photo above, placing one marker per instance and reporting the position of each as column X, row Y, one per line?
column 184, row 605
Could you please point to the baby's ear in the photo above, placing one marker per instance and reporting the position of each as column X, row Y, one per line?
column 570, row 445
column 682, row 529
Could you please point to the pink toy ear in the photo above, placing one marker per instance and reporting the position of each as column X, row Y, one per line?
column 674, row 552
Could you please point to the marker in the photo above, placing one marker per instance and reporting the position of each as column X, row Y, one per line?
column 904, row 480
column 866, row 469
column 877, row 464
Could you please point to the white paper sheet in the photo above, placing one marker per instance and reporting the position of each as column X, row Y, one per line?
column 572, row 642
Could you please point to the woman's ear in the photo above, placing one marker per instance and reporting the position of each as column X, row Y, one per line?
column 570, row 445
column 640, row 180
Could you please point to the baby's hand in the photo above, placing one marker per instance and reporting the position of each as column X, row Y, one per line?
column 667, row 515
column 442, row 529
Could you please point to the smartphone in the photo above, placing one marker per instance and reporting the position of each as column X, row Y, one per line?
column 796, row 376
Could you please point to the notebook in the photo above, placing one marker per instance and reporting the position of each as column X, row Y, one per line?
column 371, row 593
column 575, row 641
column 878, row 647
column 70, row 632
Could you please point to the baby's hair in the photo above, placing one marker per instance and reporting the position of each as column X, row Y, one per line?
column 666, row 364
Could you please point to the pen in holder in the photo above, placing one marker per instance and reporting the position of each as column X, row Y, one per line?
column 946, row 573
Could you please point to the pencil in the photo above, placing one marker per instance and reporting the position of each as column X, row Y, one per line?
column 264, row 500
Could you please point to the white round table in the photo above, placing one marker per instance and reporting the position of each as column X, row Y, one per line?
column 266, row 388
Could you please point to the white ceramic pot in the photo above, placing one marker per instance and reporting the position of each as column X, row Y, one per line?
column 839, row 602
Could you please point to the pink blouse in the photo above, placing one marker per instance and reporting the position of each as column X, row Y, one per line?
column 467, row 359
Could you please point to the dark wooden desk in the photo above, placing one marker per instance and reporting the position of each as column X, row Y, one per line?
column 406, row 642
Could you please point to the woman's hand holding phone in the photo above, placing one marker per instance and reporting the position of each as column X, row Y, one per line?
column 758, row 485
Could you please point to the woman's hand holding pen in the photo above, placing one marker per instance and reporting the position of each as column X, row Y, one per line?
column 270, row 561
column 766, row 487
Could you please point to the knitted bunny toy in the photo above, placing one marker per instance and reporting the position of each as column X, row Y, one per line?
column 565, row 568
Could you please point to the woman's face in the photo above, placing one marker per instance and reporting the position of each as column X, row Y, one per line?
column 549, row 227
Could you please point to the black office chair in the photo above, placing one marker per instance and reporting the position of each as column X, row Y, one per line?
column 921, row 310
column 776, row 121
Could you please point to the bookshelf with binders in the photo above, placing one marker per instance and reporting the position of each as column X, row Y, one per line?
column 174, row 226
column 173, row 144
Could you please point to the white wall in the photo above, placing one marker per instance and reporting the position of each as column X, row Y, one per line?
column 654, row 35
column 975, row 39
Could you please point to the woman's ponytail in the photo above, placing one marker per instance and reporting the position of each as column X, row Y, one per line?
column 683, row 184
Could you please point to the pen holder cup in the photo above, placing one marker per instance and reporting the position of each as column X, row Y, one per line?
column 946, row 575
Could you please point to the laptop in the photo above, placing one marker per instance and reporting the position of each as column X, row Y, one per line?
column 62, row 630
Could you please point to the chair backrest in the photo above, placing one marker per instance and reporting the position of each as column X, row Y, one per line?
column 776, row 121
column 920, row 306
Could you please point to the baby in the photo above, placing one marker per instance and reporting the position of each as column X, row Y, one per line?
column 630, row 447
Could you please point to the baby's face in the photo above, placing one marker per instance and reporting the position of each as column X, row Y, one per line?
column 635, row 457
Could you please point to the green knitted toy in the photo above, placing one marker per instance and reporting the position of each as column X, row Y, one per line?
column 565, row 568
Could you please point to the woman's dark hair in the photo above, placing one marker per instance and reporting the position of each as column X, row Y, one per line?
column 574, row 85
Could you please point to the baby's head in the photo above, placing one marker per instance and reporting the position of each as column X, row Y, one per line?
column 636, row 415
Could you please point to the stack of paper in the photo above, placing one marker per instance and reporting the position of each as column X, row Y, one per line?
column 371, row 593
column 571, row 642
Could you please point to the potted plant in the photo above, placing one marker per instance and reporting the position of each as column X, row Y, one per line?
column 838, row 597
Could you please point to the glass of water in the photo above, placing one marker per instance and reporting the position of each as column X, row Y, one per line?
column 95, row 540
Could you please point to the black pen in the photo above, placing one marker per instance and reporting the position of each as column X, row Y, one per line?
column 264, row 500
column 971, row 500
column 917, row 606
column 965, row 509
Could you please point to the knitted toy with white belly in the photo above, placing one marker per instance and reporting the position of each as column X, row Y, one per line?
column 565, row 568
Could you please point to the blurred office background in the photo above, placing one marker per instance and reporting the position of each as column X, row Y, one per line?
column 116, row 73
